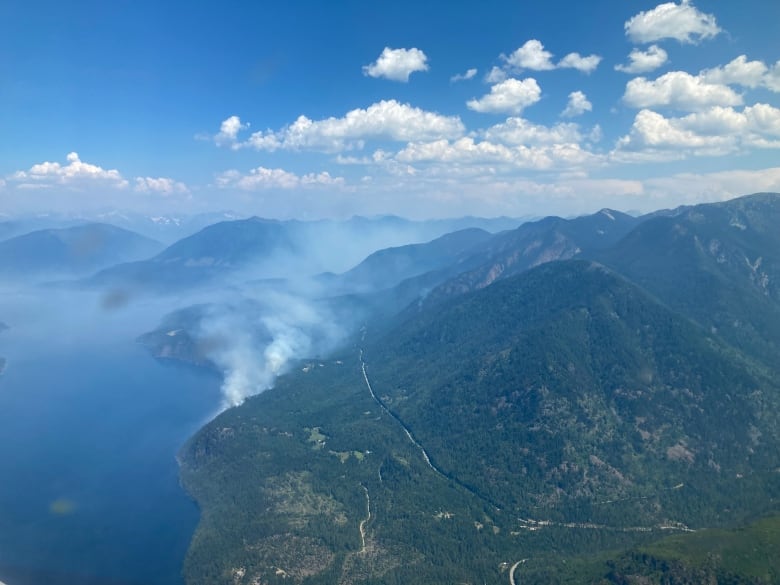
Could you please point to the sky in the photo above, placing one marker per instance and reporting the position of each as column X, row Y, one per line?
column 310, row 109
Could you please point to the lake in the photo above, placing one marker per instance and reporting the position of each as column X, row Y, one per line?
column 90, row 426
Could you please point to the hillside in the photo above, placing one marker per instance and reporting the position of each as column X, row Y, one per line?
column 537, row 405
column 717, row 263
column 562, row 407
column 499, row 256
column 611, row 389
column 534, row 243
column 216, row 251
column 71, row 251
column 745, row 555
column 388, row 267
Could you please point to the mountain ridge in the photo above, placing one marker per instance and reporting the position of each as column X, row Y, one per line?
column 73, row 250
column 581, row 405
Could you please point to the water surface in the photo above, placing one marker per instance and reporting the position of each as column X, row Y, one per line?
column 89, row 429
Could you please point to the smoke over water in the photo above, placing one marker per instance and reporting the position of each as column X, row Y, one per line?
column 253, row 342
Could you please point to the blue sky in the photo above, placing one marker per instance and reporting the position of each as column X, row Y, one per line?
column 328, row 109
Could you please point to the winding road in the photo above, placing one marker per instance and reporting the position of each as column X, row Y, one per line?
column 512, row 571
column 398, row 420
column 416, row 443
column 366, row 521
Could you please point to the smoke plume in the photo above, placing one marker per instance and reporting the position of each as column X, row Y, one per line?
column 253, row 341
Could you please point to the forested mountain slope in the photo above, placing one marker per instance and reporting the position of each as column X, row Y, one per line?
column 564, row 407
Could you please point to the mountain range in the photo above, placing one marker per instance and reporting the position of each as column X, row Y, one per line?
column 71, row 251
column 257, row 248
column 562, row 390
column 545, row 401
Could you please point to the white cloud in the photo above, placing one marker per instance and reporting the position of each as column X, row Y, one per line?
column 495, row 75
column 510, row 96
column 397, row 64
column 470, row 74
column 763, row 119
column 678, row 89
column 388, row 120
column 582, row 64
column 644, row 61
column 76, row 173
column 772, row 78
column 578, row 105
column 532, row 55
column 162, row 185
column 740, row 71
column 468, row 151
column 228, row 131
column 651, row 130
column 681, row 90
column 718, row 186
column 481, row 185
column 264, row 178
column 715, row 131
column 682, row 22
column 519, row 131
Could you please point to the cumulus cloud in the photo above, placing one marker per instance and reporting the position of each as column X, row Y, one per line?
column 582, row 64
column 388, row 120
column 758, row 124
column 715, row 131
column 644, row 61
column 711, row 87
column 495, row 75
column 264, row 178
column 228, row 131
column 162, row 185
column 772, row 78
column 470, row 74
column 532, row 55
column 467, row 150
column 740, row 71
column 519, row 131
column 397, row 64
column 678, row 89
column 682, row 22
column 75, row 173
column 651, row 130
column 510, row 96
column 578, row 105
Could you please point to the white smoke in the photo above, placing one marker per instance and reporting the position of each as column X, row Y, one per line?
column 254, row 341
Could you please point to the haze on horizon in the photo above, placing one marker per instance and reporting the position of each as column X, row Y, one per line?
column 307, row 110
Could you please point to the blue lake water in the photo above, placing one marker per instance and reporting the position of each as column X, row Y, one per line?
column 90, row 426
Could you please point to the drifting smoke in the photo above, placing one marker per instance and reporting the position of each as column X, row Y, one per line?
column 254, row 342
